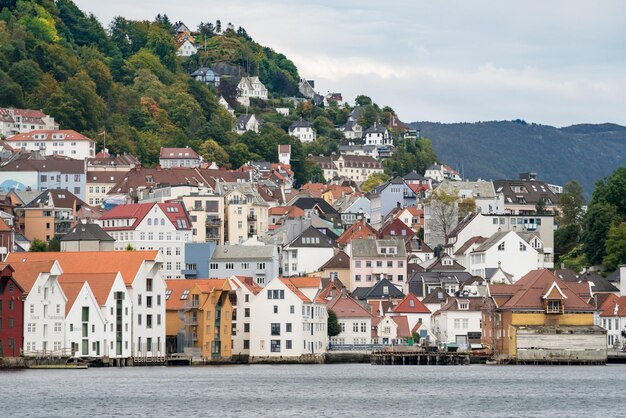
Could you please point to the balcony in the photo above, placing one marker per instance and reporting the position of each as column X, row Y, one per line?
column 189, row 272
column 251, row 217
column 213, row 221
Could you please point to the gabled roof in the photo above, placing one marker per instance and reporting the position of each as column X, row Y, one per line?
column 411, row 304
column 437, row 265
column 438, row 295
column 308, row 203
column 87, row 232
column 396, row 228
column 71, row 291
column 128, row 263
column 291, row 286
column 174, row 211
column 403, row 330
column 341, row 260
column 300, row 124
column 346, row 307
column 384, row 289
column 614, row 306
column 27, row 273
column 26, row 162
column 368, row 248
column 358, row 230
column 239, row 252
column 56, row 198
column 177, row 153
column 313, row 238
column 467, row 245
column 597, row 282
column 530, row 192
column 100, row 283
column 178, row 287
column 454, row 304
column 65, row 135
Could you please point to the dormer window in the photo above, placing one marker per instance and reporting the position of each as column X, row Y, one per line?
column 446, row 262
column 553, row 306
column 501, row 246
column 463, row 306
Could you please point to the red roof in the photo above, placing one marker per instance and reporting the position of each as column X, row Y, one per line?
column 346, row 307
column 411, row 304
column 68, row 135
column 3, row 226
column 71, row 291
column 177, row 153
column 99, row 283
column 358, row 230
column 174, row 211
column 403, row 326
column 609, row 306
column 26, row 273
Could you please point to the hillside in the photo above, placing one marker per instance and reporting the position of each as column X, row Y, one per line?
column 497, row 150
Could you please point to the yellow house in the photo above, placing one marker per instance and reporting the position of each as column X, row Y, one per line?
column 338, row 267
column 542, row 318
column 199, row 318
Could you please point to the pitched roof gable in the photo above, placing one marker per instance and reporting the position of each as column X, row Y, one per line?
column 346, row 307
column 411, row 304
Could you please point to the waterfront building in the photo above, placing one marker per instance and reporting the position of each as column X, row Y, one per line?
column 355, row 321
column 11, row 313
column 244, row 289
column 372, row 260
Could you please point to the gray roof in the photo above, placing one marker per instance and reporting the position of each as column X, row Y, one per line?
column 377, row 291
column 478, row 189
column 87, row 232
column 375, row 129
column 300, row 124
column 236, row 252
column 367, row 248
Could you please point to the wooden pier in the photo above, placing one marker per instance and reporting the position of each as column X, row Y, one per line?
column 419, row 358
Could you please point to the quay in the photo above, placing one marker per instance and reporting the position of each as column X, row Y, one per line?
column 418, row 357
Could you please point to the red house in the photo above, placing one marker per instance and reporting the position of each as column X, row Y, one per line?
column 11, row 313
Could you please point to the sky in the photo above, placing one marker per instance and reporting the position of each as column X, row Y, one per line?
column 551, row 62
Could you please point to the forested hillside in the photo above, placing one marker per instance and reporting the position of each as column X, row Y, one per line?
column 127, row 81
column 498, row 150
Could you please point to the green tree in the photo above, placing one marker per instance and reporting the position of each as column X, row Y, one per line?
column 374, row 181
column 615, row 247
column 38, row 246
column 598, row 221
column 571, row 203
column 161, row 44
column 10, row 92
column 317, row 174
column 54, row 245
column 212, row 151
column 540, row 207
column 612, row 190
column 362, row 100
column 27, row 74
column 129, row 247
column 333, row 326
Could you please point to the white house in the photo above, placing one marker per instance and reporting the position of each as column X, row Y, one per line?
column 307, row 252
column 302, row 130
column 115, row 306
column 260, row 262
column 245, row 290
column 151, row 226
column 287, row 323
column 44, row 306
column 516, row 253
column 284, row 154
column 351, row 130
column 250, row 87
column 377, row 135
column 186, row 48
column 247, row 123
column 179, row 157
column 440, row 172
column 388, row 329
column 15, row 121
column 355, row 321
column 222, row 101
column 458, row 321
column 85, row 326
column 65, row 143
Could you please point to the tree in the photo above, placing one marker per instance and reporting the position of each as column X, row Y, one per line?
column 466, row 206
column 38, row 246
column 333, row 327
column 317, row 174
column 362, row 100
column 374, row 181
column 598, row 221
column 571, row 203
column 54, row 245
column 212, row 151
column 615, row 247
column 160, row 43
column 612, row 190
column 129, row 247
column 443, row 208
column 540, row 207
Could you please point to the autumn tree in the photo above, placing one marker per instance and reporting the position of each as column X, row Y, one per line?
column 443, row 209
column 373, row 181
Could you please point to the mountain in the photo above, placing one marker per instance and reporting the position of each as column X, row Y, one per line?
column 503, row 149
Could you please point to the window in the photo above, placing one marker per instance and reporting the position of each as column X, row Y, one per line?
column 357, row 264
column 400, row 277
column 230, row 266
column 355, row 327
column 288, row 344
column 457, row 323
column 379, row 263
column 185, row 294
column 357, row 277
column 292, row 309
column 168, row 293
column 246, row 327
column 522, row 247
column 363, row 326
column 246, row 344
column 288, row 327
column 401, row 263
column 246, row 312
column 554, row 306
column 139, row 319
column 275, row 346
column 501, row 246
column 368, row 263
column 389, row 263
column 85, row 314
column 275, row 328
column 275, row 308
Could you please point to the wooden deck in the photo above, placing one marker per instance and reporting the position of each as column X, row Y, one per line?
column 419, row 358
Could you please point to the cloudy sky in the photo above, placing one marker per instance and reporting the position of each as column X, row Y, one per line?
column 555, row 62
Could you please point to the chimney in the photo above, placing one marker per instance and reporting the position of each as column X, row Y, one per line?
column 138, row 167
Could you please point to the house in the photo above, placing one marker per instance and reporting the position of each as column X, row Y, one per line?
column 141, row 272
column 33, row 172
column 390, row 330
column 87, row 237
column 422, row 284
column 383, row 290
column 43, row 306
column 543, row 318
column 103, row 161
column 515, row 252
column 412, row 217
column 288, row 321
column 316, row 206
column 284, row 111
column 372, row 260
column 206, row 212
column 522, row 196
column 458, row 322
column 67, row 143
column 250, row 87
column 199, row 318
column 337, row 268
column 284, row 154
column 7, row 239
column 436, row 299
column 354, row 320
column 306, row 88
column 11, row 313
column 613, row 320
column 246, row 212
column 440, row 172
column 260, row 262
column 247, row 123
column 85, row 327
column 357, row 168
column 396, row 228
column 244, row 290
column 352, row 207
column 307, row 252
column 351, row 130
column 418, row 251
column 184, row 46
column 94, row 298
column 360, row 229
column 151, row 226
column 377, row 135
column 18, row 121
column 302, row 130
column 100, row 183
column 485, row 225
column 395, row 193
column 222, row 102
column 179, row 157
column 51, row 214
column 207, row 76
column 414, row 310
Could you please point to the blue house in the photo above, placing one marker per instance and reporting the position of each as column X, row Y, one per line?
column 394, row 193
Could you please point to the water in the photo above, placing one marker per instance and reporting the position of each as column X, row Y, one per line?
column 317, row 390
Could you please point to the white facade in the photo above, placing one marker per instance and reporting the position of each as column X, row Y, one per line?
column 453, row 326
column 354, row 331
column 187, row 49
column 286, row 323
column 302, row 260
column 19, row 121
column 250, row 87
column 85, row 326
column 44, row 315
column 241, row 321
column 303, row 133
column 62, row 143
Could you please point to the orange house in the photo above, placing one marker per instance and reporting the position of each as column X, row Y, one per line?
column 198, row 318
